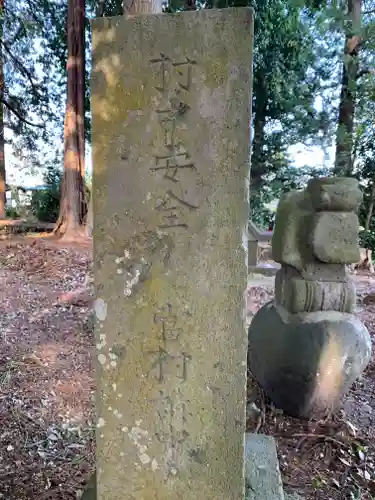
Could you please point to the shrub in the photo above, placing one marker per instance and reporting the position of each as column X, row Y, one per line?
column 45, row 203
column 367, row 239
column 12, row 213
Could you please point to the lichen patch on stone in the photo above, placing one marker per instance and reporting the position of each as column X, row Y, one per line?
column 102, row 358
column 101, row 423
column 100, row 308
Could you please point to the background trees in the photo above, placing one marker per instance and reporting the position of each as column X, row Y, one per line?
column 25, row 73
column 73, row 203
column 314, row 86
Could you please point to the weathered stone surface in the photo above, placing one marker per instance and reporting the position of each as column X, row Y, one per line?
column 171, row 113
column 263, row 479
column 257, row 242
column 318, row 225
column 264, row 270
column 307, row 295
column 334, row 237
column 335, row 193
column 252, row 253
column 291, row 229
column 255, row 234
column 90, row 492
column 292, row 496
column 306, row 349
column 306, row 362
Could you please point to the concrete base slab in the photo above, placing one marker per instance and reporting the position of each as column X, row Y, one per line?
column 262, row 473
column 292, row 496
column 266, row 271
column 263, row 480
column 90, row 492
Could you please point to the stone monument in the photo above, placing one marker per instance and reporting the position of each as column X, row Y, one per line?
column 307, row 347
column 171, row 101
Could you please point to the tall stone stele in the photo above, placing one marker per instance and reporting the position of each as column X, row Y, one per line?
column 307, row 347
column 171, row 105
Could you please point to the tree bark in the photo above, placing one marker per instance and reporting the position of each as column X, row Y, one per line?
column 70, row 224
column 2, row 137
column 136, row 7
column 370, row 208
column 345, row 126
column 190, row 5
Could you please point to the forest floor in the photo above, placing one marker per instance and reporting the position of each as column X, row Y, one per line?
column 47, row 448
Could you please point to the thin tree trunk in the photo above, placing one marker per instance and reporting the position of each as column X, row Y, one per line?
column 370, row 208
column 2, row 137
column 136, row 7
column 191, row 5
column 80, row 89
column 73, row 204
column 345, row 127
column 370, row 211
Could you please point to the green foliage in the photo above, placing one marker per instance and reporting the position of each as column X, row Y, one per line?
column 286, row 179
column 367, row 239
column 12, row 213
column 28, row 73
column 45, row 203
column 288, row 72
column 298, row 56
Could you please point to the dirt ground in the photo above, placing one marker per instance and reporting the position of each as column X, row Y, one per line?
column 46, row 373
column 47, row 446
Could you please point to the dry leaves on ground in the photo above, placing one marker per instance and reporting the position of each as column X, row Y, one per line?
column 46, row 383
